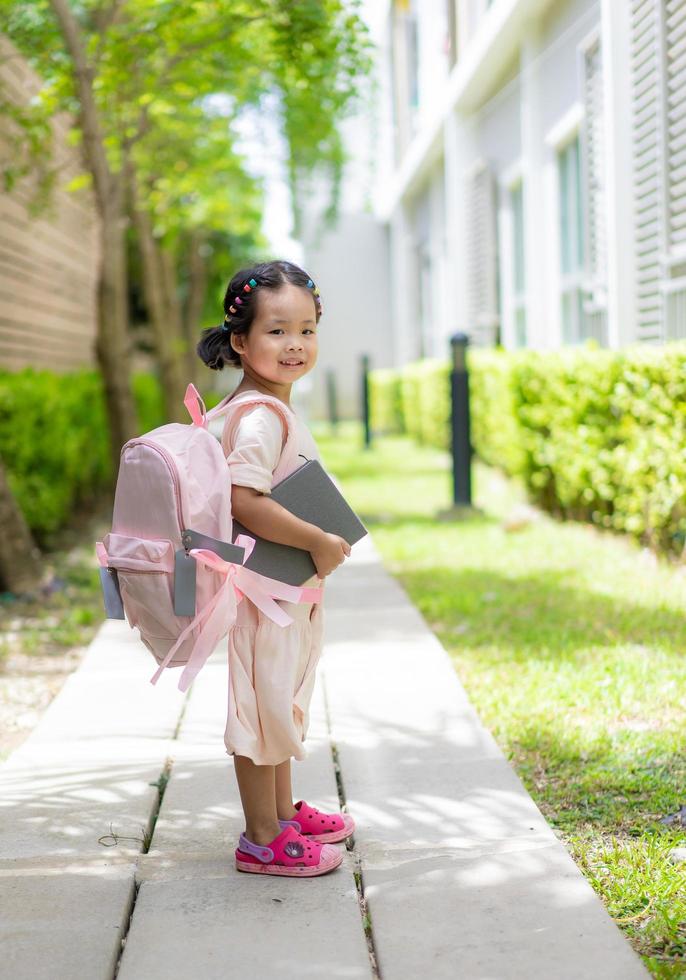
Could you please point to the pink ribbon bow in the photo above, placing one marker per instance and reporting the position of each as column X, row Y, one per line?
column 220, row 612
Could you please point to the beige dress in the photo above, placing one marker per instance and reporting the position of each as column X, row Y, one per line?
column 271, row 667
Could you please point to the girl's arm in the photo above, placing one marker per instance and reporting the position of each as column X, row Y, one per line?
column 268, row 519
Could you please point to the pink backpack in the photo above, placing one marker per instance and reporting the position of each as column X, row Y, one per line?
column 172, row 506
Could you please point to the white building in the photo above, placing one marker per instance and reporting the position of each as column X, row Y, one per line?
column 529, row 183
column 537, row 189
column 349, row 262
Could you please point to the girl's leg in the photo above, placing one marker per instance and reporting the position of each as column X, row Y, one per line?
column 284, row 791
column 256, row 785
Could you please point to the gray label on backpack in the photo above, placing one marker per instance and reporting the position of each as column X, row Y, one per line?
column 184, row 583
column 114, row 608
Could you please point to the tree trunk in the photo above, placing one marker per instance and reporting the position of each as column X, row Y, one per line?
column 112, row 346
column 21, row 570
column 161, row 312
column 169, row 264
column 195, row 302
column 171, row 292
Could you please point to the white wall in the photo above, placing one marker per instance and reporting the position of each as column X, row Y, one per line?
column 350, row 267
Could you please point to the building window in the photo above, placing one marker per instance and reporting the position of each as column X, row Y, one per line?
column 571, row 243
column 518, row 264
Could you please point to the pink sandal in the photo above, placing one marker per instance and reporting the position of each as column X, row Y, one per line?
column 288, row 854
column 326, row 828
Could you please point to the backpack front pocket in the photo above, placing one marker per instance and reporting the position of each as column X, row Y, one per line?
column 145, row 569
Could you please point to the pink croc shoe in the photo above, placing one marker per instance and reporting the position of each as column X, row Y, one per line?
column 288, row 854
column 326, row 828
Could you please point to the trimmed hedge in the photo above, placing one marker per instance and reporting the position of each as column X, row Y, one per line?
column 596, row 435
column 385, row 401
column 54, row 439
column 496, row 433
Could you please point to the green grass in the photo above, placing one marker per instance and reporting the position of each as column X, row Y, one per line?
column 570, row 643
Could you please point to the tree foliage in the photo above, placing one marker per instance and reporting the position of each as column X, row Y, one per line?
column 154, row 62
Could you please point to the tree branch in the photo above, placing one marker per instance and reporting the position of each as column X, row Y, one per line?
column 104, row 18
column 90, row 122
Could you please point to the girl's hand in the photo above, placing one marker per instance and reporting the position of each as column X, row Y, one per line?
column 329, row 552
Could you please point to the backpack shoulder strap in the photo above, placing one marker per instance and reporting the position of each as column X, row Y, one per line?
column 234, row 409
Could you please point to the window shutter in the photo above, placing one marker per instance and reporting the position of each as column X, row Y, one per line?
column 648, row 143
column 675, row 98
column 482, row 270
column 674, row 34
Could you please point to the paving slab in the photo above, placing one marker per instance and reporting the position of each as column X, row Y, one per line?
column 90, row 761
column 463, row 876
column 64, row 925
column 195, row 914
column 85, row 770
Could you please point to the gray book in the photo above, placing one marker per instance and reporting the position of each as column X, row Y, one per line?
column 310, row 494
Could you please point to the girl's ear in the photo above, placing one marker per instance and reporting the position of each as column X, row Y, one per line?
column 237, row 341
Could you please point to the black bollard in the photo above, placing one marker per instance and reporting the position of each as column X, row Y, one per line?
column 331, row 399
column 459, row 422
column 365, row 399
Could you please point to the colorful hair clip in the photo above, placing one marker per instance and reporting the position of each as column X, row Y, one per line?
column 232, row 309
column 238, row 300
column 310, row 284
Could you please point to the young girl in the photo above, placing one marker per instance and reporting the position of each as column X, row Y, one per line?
column 270, row 332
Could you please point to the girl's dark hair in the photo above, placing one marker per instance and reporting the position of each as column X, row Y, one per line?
column 214, row 347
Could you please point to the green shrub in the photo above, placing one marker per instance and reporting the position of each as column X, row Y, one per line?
column 54, row 439
column 147, row 393
column 53, row 442
column 596, row 435
column 426, row 402
column 496, row 433
column 385, row 401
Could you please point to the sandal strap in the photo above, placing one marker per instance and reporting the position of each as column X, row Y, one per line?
column 286, row 847
column 290, row 823
column 262, row 852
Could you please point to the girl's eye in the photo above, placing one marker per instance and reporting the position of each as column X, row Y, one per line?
column 277, row 329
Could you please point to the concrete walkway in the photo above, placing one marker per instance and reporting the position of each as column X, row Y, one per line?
column 459, row 875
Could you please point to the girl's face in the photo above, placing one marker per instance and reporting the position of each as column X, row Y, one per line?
column 283, row 330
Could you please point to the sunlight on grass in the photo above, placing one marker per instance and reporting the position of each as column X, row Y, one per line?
column 570, row 642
